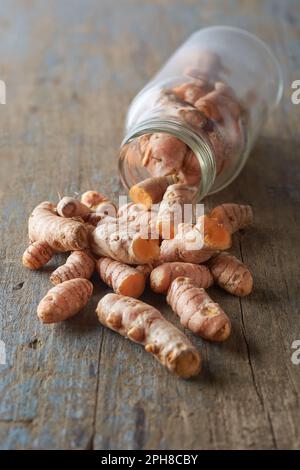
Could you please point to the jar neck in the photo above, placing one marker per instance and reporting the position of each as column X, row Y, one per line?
column 196, row 141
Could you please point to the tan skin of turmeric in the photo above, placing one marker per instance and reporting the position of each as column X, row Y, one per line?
column 80, row 264
column 197, row 311
column 127, row 260
column 233, row 216
column 145, row 325
column 64, row 300
column 60, row 233
column 37, row 255
column 231, row 274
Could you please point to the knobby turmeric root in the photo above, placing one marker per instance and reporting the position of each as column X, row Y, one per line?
column 139, row 220
column 124, row 279
column 93, row 218
column 219, row 102
column 60, row 233
column 162, row 276
column 209, row 64
column 233, row 216
column 172, row 209
column 197, row 311
column 177, row 250
column 123, row 244
column 192, row 91
column 64, row 300
column 231, row 274
column 151, row 190
column 193, row 117
column 163, row 154
column 209, row 107
column 145, row 269
column 107, row 208
column 99, row 204
column 37, row 255
column 92, row 199
column 78, row 265
column 71, row 207
column 196, row 243
column 190, row 172
column 145, row 325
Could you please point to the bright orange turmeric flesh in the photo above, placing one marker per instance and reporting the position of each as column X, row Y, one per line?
column 197, row 311
column 196, row 243
column 124, row 279
column 64, row 300
column 151, row 190
column 162, row 276
column 231, row 274
column 145, row 325
column 122, row 243
column 37, row 255
column 216, row 235
column 233, row 216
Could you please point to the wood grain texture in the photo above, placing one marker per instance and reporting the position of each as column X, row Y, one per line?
column 71, row 69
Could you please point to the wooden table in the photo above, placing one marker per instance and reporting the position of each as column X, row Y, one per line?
column 71, row 69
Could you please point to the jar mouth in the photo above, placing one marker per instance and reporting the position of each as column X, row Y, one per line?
column 195, row 141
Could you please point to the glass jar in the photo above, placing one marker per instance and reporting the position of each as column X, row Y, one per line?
column 199, row 116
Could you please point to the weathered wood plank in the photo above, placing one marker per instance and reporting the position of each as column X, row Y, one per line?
column 71, row 69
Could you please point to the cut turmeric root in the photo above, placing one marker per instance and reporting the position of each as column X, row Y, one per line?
column 145, row 325
column 196, row 243
column 162, row 276
column 197, row 311
column 64, row 300
column 124, row 279
column 216, row 235
column 233, row 216
column 71, row 207
column 151, row 190
column 122, row 244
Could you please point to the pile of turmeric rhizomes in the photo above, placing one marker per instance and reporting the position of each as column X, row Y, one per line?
column 136, row 245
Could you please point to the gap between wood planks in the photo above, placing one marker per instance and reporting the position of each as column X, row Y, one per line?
column 255, row 385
